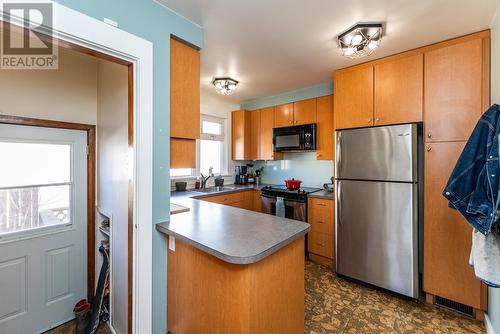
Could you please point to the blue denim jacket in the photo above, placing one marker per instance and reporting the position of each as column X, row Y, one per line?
column 472, row 188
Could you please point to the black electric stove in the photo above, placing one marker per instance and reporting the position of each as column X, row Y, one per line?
column 282, row 191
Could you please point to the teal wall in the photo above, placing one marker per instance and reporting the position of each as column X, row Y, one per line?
column 287, row 97
column 155, row 23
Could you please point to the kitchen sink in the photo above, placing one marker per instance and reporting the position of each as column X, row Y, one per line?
column 212, row 190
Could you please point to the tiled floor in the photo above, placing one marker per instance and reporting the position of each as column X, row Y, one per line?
column 69, row 328
column 335, row 305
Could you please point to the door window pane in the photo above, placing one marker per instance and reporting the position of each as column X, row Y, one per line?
column 31, row 208
column 210, row 156
column 35, row 185
column 25, row 164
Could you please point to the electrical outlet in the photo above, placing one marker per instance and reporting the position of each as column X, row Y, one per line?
column 171, row 243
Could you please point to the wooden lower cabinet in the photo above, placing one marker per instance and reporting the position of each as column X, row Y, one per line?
column 208, row 295
column 257, row 201
column 248, row 199
column 321, row 238
column 447, row 236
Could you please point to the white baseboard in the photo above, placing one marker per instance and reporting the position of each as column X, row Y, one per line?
column 488, row 325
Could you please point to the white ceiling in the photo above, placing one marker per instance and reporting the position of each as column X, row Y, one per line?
column 273, row 46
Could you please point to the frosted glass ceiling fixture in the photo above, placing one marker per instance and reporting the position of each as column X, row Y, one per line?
column 360, row 40
column 225, row 86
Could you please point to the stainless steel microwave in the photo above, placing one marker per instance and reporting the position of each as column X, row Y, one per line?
column 295, row 138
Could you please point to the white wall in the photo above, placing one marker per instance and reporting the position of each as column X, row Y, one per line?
column 67, row 94
column 112, row 178
column 494, row 294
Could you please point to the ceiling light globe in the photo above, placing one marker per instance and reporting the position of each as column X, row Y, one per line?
column 356, row 39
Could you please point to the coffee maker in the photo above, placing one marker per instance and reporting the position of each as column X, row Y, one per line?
column 241, row 175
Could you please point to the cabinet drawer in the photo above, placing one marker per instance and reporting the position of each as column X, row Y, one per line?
column 320, row 215
column 225, row 199
column 321, row 244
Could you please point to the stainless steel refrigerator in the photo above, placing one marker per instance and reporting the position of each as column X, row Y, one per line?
column 377, row 209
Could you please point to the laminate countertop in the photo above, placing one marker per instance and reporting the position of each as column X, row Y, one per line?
column 322, row 194
column 231, row 234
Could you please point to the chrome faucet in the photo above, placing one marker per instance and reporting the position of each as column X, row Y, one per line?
column 204, row 178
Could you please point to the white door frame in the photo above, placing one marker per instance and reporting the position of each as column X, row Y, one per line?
column 77, row 28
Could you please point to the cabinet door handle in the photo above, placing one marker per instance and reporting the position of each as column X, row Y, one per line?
column 369, row 120
column 290, row 122
column 320, row 244
column 321, row 204
column 296, row 122
column 321, row 222
column 429, row 135
column 377, row 119
column 429, row 149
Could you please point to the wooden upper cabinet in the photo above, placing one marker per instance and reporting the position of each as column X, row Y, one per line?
column 353, row 101
column 304, row 112
column 240, row 135
column 182, row 153
column 184, row 91
column 266, row 135
column 324, row 128
column 283, row 115
column 447, row 236
column 399, row 86
column 255, row 135
column 453, row 90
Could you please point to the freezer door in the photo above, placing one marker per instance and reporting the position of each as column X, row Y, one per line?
column 378, row 153
column 377, row 234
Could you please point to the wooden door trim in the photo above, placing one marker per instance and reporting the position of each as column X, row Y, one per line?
column 91, row 163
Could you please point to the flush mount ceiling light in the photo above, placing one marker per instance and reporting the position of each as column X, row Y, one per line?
column 225, row 86
column 361, row 40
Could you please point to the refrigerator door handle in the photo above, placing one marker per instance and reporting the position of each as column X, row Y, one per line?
column 339, row 203
column 338, row 152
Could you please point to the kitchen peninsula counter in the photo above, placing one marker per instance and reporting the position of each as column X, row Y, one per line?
column 232, row 270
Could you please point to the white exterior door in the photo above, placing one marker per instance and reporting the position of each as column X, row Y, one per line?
column 43, row 226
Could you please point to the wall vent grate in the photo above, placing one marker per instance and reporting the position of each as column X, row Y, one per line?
column 454, row 306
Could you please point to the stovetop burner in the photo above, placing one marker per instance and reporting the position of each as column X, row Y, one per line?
column 283, row 189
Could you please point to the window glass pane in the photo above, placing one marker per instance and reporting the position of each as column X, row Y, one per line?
column 26, row 164
column 31, row 208
column 212, row 128
column 176, row 172
column 210, row 156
